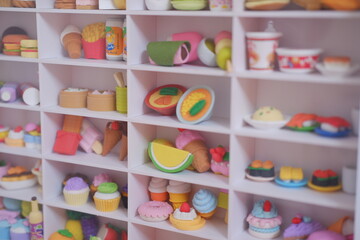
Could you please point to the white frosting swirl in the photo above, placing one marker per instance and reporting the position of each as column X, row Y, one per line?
column 178, row 187
column 185, row 215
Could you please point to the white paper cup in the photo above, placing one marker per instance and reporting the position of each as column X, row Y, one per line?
column 261, row 50
column 349, row 179
column 355, row 120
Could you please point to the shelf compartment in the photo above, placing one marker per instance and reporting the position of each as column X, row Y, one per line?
column 206, row 179
column 299, row 137
column 22, row 194
column 338, row 200
column 89, row 207
column 111, row 161
column 214, row 229
column 82, row 62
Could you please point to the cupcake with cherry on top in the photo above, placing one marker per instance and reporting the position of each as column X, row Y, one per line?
column 185, row 218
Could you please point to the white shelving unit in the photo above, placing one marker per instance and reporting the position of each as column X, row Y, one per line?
column 237, row 94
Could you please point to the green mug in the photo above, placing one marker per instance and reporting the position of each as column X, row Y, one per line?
column 121, row 99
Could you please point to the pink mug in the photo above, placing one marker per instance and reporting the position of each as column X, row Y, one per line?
column 194, row 38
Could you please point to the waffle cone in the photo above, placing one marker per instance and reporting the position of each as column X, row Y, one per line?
column 161, row 197
column 201, row 160
column 123, row 148
column 72, row 44
column 177, row 199
column 111, row 138
column 207, row 215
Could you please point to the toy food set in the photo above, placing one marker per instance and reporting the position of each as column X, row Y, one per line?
column 65, row 4
column 291, row 177
column 220, row 5
column 91, row 137
column 344, row 226
column 107, row 197
column 185, row 218
column 325, row 181
column 220, row 161
column 189, row 5
column 337, row 66
column 121, row 93
column 36, row 220
column 303, row 122
column 73, row 97
column 157, row 189
column 76, row 191
column 223, row 49
column 29, row 93
column 101, row 100
column 261, row 171
column 15, row 138
column 266, row 4
column 168, row 53
column 9, row 92
column 297, row 60
column 179, row 193
column 20, row 230
column 24, row 3
column 99, row 179
column 206, row 52
column 264, row 221
column 194, row 38
column 94, row 40
column 155, row 211
column 29, row 48
column 11, row 44
column 114, row 39
column 267, row 118
column 301, row 227
column 17, row 178
column 110, row 232
column 32, row 136
column 87, row 4
column 196, row 105
column 333, row 127
column 164, row 99
column 70, row 38
column 261, row 48
column 157, row 5
column 205, row 202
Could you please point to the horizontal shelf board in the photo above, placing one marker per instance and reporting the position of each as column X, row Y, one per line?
column 215, row 124
column 110, row 161
column 19, row 105
column 111, row 115
column 85, row 62
column 24, row 194
column 304, row 78
column 185, row 69
column 214, row 229
column 89, row 207
column 202, row 13
column 206, row 179
column 299, row 137
column 17, row 59
column 300, row 14
column 246, row 235
column 16, row 9
column 81, row 11
column 338, row 200
column 20, row 151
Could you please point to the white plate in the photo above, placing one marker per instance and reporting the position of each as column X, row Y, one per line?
column 266, row 125
column 336, row 73
column 18, row 184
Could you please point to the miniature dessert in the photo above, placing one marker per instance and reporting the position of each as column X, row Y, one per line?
column 261, row 171
column 205, row 203
column 107, row 197
column 101, row 100
column 124, row 196
column 302, row 122
column 185, row 218
column 18, row 177
column 62, row 235
column 291, row 177
column 15, row 137
column 220, row 160
column 20, row 230
column 196, row 105
column 264, row 221
column 87, row 4
column 268, row 114
column 99, row 179
column 73, row 97
column 76, row 191
column 71, row 175
column 91, row 137
column 112, row 136
column 193, row 142
column 29, row 48
column 326, row 234
column 4, row 131
column 325, row 180
column 164, row 99
column 337, row 63
column 301, row 227
column 266, row 4
column 155, row 211
column 11, row 44
column 169, row 159
column 179, row 192
column 333, row 127
column 157, row 189
column 71, row 40
column 344, row 226
column 24, row 3
column 32, row 137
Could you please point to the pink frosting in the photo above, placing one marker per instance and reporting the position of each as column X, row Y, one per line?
column 264, row 222
column 155, row 209
column 220, row 167
column 87, row 2
column 326, row 235
column 75, row 183
column 186, row 137
column 10, row 216
column 101, row 178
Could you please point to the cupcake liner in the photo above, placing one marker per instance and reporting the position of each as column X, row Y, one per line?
column 207, row 215
column 76, row 199
column 107, row 205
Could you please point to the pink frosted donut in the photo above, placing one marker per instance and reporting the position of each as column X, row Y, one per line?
column 155, row 211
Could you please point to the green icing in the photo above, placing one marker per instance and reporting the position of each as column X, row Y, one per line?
column 173, row 91
column 197, row 107
column 65, row 232
column 108, row 187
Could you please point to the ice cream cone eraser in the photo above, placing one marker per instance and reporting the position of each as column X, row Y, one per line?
column 71, row 40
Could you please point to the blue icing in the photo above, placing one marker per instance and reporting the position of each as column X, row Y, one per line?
column 259, row 212
column 4, row 224
column 4, row 233
column 29, row 138
column 20, row 224
column 265, row 230
column 204, row 201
